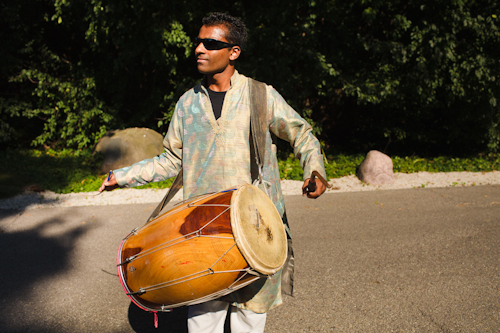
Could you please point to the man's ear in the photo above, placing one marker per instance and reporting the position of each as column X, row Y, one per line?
column 234, row 53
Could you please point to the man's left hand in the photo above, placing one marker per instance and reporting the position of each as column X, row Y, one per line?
column 320, row 189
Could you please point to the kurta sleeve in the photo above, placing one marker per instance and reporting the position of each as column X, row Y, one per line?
column 288, row 125
column 161, row 167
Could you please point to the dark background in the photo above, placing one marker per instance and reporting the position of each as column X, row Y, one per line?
column 403, row 77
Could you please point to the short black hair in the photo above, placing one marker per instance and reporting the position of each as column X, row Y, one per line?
column 237, row 31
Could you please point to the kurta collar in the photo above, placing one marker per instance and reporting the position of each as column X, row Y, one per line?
column 236, row 81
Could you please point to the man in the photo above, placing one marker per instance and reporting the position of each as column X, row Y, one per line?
column 208, row 137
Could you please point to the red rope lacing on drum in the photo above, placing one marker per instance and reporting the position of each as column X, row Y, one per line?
column 155, row 313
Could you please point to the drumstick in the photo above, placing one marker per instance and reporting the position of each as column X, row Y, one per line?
column 109, row 176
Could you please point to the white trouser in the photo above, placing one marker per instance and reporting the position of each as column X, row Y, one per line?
column 209, row 317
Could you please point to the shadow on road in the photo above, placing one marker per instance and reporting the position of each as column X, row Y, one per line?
column 29, row 256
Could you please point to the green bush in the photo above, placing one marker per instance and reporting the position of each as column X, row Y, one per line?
column 403, row 76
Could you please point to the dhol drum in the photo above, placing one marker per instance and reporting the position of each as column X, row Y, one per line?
column 202, row 249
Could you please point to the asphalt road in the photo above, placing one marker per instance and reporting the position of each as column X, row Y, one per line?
column 417, row 260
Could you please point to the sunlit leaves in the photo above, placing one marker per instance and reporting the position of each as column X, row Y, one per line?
column 69, row 109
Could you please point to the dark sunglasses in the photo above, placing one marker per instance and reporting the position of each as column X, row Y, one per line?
column 212, row 44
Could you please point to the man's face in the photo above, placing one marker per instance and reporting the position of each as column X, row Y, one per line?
column 213, row 61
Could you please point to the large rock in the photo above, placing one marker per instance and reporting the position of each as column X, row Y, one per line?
column 376, row 169
column 121, row 148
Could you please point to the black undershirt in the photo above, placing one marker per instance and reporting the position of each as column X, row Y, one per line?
column 217, row 99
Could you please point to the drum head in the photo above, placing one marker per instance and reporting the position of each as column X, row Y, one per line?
column 258, row 230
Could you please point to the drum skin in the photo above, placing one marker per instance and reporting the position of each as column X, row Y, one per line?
column 177, row 267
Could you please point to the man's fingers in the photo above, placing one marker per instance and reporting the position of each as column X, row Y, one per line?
column 109, row 184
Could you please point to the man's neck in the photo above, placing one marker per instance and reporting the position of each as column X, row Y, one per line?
column 220, row 81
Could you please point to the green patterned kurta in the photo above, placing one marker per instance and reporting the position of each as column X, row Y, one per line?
column 215, row 155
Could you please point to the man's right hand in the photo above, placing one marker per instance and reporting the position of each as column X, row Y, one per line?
column 109, row 185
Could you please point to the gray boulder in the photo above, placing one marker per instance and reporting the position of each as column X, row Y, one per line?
column 121, row 148
column 376, row 169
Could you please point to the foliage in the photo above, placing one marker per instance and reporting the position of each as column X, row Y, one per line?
column 78, row 69
column 404, row 77
column 139, row 53
column 415, row 76
column 70, row 111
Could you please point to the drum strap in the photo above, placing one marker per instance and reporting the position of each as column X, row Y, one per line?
column 258, row 124
column 258, row 131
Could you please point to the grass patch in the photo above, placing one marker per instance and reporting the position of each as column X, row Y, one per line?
column 59, row 171
column 479, row 163
column 344, row 165
column 69, row 171
column 63, row 171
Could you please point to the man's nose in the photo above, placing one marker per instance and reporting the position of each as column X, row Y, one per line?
column 200, row 48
